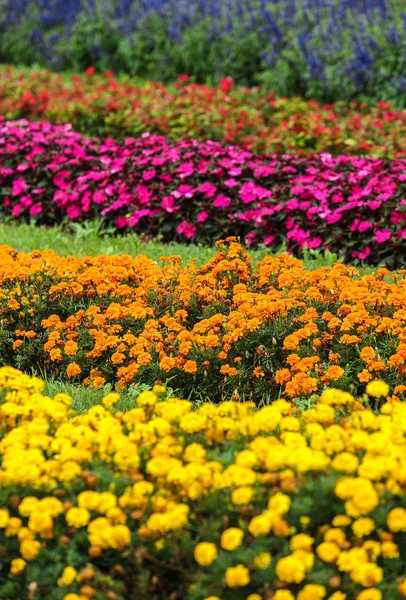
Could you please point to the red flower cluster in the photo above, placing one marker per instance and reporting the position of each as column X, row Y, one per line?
column 102, row 105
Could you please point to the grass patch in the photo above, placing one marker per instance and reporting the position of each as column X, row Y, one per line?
column 89, row 239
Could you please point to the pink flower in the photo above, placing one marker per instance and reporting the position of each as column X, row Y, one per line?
column 168, row 204
column 363, row 254
column 150, row 174
column 221, row 201
column 364, row 225
column 382, row 235
column 36, row 209
column 19, row 186
column 16, row 210
column 203, row 216
column 186, row 229
column 314, row 242
column 73, row 211
column 269, row 239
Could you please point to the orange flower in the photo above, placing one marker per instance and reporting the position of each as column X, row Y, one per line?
column 73, row 369
column 334, row 373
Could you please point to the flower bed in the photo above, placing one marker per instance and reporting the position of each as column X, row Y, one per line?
column 223, row 502
column 105, row 106
column 225, row 329
column 202, row 191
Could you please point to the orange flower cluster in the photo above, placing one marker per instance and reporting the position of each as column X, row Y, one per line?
column 227, row 328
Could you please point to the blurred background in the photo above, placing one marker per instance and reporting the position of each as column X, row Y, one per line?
column 328, row 50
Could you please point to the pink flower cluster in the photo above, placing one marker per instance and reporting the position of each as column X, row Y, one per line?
column 203, row 190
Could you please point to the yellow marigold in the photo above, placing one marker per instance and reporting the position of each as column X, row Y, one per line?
column 77, row 517
column 29, row 549
column 242, row 495
column 362, row 527
column 205, row 553
column 231, row 538
column 402, row 587
column 263, row 560
column 279, row 503
column 397, row 520
column 237, row 576
column 17, row 566
column 283, row 595
column 260, row 525
column 4, row 518
column 371, row 594
column 341, row 521
column 111, row 399
column 68, row 576
column 88, row 499
column 290, row 569
column 312, row 592
column 377, row 388
column 301, row 541
column 367, row 574
column 328, row 551
column 254, row 597
column 147, row 398
column 345, row 461
column 389, row 550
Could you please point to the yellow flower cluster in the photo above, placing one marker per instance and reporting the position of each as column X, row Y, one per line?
column 223, row 498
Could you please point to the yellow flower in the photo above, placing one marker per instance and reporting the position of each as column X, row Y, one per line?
column 263, row 560
column 260, row 525
column 341, row 521
column 279, row 503
column 290, row 569
column 397, row 520
column 111, row 399
column 301, row 541
column 402, row 587
column 88, row 499
column 283, row 595
column 377, row 388
column 4, row 518
column 367, row 574
column 77, row 517
column 371, row 594
column 29, row 549
column 362, row 527
column 205, row 553
column 389, row 550
column 147, row 398
column 231, row 538
column 328, row 551
column 254, row 597
column 237, row 576
column 28, row 505
column 312, row 592
column 338, row 596
column 17, row 566
column 242, row 495
column 68, row 576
